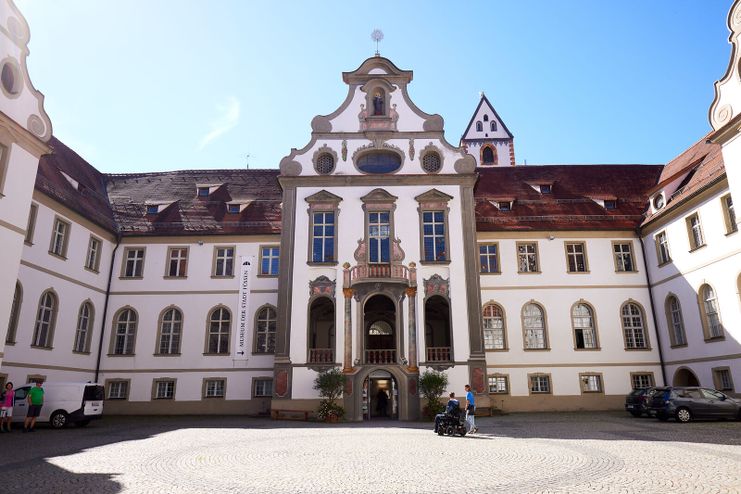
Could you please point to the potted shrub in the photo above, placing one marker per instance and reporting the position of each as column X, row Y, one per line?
column 330, row 384
column 432, row 385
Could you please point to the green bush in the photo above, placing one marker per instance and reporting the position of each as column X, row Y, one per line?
column 432, row 385
column 330, row 385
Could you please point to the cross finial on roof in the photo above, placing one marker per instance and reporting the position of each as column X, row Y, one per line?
column 377, row 35
column 481, row 94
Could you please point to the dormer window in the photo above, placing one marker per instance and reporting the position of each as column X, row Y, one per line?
column 493, row 126
column 233, row 208
column 545, row 188
column 610, row 204
column 659, row 201
column 486, row 118
column 203, row 191
column 505, row 205
column 479, row 127
column 153, row 208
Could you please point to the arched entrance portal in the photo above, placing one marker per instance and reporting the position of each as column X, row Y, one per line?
column 380, row 330
column 380, row 396
column 685, row 377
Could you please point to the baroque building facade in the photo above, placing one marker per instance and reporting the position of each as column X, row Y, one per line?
column 379, row 248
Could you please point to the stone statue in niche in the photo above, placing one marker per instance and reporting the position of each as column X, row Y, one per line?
column 378, row 104
column 344, row 149
column 411, row 149
column 362, row 116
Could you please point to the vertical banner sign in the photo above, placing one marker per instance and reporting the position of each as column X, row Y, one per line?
column 243, row 307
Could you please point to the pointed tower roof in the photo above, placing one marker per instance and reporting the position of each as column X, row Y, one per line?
column 502, row 131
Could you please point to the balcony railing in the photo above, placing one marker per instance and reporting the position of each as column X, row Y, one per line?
column 364, row 272
column 382, row 356
column 321, row 356
column 438, row 354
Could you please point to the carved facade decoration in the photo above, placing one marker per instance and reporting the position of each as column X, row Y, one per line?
column 437, row 285
column 322, row 286
column 344, row 149
column 411, row 149
column 726, row 104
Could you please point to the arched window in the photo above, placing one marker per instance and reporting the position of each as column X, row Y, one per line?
column 479, row 127
column 494, row 328
column 265, row 328
column 486, row 118
column 674, row 321
column 493, row 126
column 582, row 320
column 634, row 329
column 15, row 311
column 84, row 328
column 533, row 324
column 124, row 335
column 219, row 331
column 170, row 330
column 43, row 333
column 488, row 156
column 711, row 323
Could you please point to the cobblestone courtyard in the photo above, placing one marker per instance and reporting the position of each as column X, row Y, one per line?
column 586, row 452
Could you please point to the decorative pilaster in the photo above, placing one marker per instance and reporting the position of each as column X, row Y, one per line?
column 348, row 293
column 411, row 292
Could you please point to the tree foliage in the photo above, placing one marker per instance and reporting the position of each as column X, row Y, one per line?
column 330, row 384
column 432, row 385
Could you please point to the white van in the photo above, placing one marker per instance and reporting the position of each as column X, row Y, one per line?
column 64, row 402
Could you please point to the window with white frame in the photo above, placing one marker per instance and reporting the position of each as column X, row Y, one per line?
column 125, row 333
column 623, row 252
column 219, row 330
column 164, row 390
column 323, row 236
column 582, row 319
column 641, row 380
column 489, row 258
column 263, row 388
column 92, row 259
column 694, row 231
column 711, row 313
column 675, row 321
column 177, row 262
column 634, row 328
column 46, row 316
column 533, row 323
column 527, row 257
column 433, row 236
column 576, row 257
column 540, row 383
column 118, row 390
column 215, row 388
column 269, row 258
column 59, row 238
column 662, row 248
column 267, row 320
column 379, row 237
column 494, row 331
column 498, row 384
column 729, row 213
column 84, row 326
column 224, row 261
column 171, row 328
column 591, row 383
column 133, row 262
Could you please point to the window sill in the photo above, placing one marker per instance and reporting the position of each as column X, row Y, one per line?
column 577, row 272
column 213, row 398
column 728, row 234
column 595, row 349
column 537, row 349
column 166, row 277
column 30, row 244
column 483, row 273
column 222, row 276
column 683, row 345
column 647, row 349
column 166, row 354
column 76, row 352
column 540, row 392
column 713, row 339
column 496, row 349
column 626, row 272
column 263, row 353
column 267, row 275
column 498, row 393
column 664, row 263
column 321, row 263
column 697, row 248
column 432, row 263
column 121, row 354
column 58, row 256
column 38, row 347
column 131, row 277
column 159, row 399
column 116, row 399
column 223, row 354
column 585, row 392
column 528, row 272
column 94, row 271
column 10, row 343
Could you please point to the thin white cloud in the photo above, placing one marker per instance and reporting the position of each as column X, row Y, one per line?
column 228, row 119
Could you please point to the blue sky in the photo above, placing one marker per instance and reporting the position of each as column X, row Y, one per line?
column 150, row 85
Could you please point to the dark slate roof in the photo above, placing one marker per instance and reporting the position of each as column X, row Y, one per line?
column 571, row 204
column 184, row 213
column 700, row 165
column 89, row 198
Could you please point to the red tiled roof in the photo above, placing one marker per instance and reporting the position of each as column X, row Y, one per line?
column 571, row 204
column 704, row 161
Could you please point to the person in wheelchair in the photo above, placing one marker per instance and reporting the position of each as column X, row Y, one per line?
column 452, row 412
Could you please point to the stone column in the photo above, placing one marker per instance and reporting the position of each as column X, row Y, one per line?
column 347, row 292
column 411, row 293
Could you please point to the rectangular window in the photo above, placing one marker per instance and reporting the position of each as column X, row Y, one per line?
column 233, row 208
column 662, row 248
column 489, row 258
column 224, row 261
column 203, row 191
column 133, row 262
column 323, row 236
column 215, row 388
column 433, row 236
column 576, row 257
column 59, row 238
column 540, row 384
column 379, row 233
column 263, row 388
column 177, row 262
column 641, row 380
column 527, row 257
column 118, row 390
column 498, row 384
column 591, row 383
column 729, row 213
column 92, row 259
column 623, row 252
column 153, row 209
column 722, row 379
column 694, row 231
column 269, row 257
column 164, row 390
column 610, row 204
column 31, row 226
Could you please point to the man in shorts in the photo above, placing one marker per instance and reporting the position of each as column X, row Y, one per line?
column 470, row 410
column 35, row 400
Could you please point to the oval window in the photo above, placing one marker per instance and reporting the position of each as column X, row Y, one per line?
column 379, row 162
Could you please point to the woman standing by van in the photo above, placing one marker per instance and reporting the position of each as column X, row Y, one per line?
column 7, row 400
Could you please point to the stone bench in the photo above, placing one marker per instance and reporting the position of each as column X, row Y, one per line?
column 289, row 414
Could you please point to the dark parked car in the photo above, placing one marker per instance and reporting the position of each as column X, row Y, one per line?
column 685, row 403
column 636, row 402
